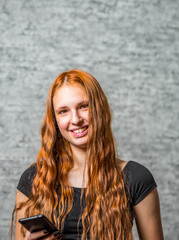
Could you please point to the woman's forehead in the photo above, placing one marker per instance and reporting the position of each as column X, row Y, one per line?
column 70, row 93
column 73, row 87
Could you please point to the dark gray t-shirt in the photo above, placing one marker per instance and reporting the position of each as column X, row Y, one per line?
column 138, row 180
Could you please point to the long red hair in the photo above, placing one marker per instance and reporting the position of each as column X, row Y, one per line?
column 106, row 215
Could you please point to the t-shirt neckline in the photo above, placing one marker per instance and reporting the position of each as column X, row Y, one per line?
column 79, row 189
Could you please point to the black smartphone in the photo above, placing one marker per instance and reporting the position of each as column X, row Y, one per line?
column 38, row 223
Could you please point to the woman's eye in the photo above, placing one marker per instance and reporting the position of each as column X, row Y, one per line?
column 84, row 106
column 62, row 111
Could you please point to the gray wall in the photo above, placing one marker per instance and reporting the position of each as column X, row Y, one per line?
column 130, row 46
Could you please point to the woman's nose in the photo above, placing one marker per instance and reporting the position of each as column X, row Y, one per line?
column 76, row 118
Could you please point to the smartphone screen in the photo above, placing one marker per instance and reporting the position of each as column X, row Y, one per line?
column 38, row 223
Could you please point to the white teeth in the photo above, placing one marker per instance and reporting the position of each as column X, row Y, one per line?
column 79, row 130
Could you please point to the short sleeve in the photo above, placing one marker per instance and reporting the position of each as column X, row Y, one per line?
column 139, row 181
column 26, row 180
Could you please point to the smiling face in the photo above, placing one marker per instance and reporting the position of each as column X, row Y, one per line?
column 71, row 112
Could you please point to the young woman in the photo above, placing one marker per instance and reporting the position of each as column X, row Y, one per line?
column 77, row 181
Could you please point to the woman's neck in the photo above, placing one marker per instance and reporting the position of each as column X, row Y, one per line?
column 77, row 177
column 79, row 157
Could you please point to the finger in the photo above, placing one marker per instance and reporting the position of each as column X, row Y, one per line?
column 36, row 235
column 57, row 235
column 27, row 235
column 54, row 236
column 60, row 237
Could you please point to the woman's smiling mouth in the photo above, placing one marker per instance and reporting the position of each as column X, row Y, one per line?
column 79, row 132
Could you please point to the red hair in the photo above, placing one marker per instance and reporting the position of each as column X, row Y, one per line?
column 106, row 215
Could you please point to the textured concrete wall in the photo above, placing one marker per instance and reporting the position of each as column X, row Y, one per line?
column 130, row 46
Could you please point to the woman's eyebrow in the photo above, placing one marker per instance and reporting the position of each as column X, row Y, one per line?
column 60, row 107
column 84, row 101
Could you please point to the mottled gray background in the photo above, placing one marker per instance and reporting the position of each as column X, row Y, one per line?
column 130, row 46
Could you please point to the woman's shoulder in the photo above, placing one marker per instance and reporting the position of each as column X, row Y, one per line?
column 29, row 173
column 136, row 170
column 26, row 180
column 139, row 181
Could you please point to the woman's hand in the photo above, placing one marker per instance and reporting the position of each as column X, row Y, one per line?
column 40, row 234
column 20, row 197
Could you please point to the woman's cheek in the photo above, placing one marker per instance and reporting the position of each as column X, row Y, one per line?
column 62, row 124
